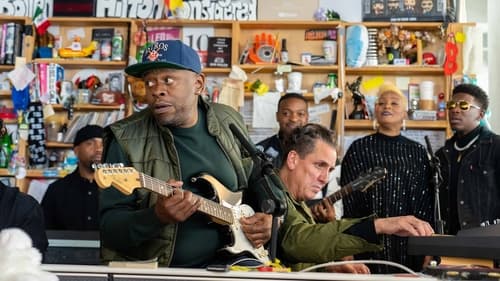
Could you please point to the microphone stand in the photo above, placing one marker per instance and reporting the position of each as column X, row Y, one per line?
column 275, row 205
column 436, row 181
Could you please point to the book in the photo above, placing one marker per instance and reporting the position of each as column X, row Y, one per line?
column 219, row 52
column 9, row 43
column 157, row 33
column 99, row 34
column 3, row 30
column 18, row 40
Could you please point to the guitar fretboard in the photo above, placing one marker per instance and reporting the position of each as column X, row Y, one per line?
column 336, row 196
column 223, row 214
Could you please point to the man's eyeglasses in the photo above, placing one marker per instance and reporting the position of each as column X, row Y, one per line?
column 463, row 105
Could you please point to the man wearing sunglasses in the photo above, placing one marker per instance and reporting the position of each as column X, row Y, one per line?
column 470, row 164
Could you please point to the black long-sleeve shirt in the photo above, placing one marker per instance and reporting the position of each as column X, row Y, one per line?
column 404, row 191
column 72, row 203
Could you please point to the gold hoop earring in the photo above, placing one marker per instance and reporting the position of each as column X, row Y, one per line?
column 375, row 125
column 404, row 124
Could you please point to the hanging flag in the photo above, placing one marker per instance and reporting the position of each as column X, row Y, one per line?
column 172, row 7
column 40, row 20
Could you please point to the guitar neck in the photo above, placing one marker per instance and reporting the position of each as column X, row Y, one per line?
column 220, row 214
column 339, row 194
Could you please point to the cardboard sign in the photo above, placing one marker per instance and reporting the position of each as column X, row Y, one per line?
column 220, row 10
column 25, row 8
column 140, row 9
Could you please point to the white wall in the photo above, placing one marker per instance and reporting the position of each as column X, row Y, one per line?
column 494, row 63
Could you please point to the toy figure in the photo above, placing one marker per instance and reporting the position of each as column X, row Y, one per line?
column 410, row 6
column 377, row 7
column 427, row 6
column 360, row 110
column 393, row 6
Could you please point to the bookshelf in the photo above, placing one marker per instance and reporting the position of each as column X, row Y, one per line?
column 242, row 34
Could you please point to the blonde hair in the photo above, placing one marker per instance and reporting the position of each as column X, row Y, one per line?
column 391, row 88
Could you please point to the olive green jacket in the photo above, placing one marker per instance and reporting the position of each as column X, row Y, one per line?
column 303, row 243
column 129, row 227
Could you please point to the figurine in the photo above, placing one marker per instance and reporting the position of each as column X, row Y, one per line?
column 360, row 110
column 76, row 50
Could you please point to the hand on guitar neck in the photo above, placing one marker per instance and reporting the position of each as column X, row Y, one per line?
column 178, row 207
column 324, row 211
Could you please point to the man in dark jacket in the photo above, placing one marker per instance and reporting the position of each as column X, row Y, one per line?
column 20, row 210
column 292, row 113
column 71, row 203
column 470, row 164
column 177, row 138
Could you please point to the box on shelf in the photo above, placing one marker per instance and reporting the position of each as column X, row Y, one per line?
column 409, row 10
column 286, row 9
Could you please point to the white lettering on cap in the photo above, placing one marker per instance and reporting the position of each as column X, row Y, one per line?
column 153, row 52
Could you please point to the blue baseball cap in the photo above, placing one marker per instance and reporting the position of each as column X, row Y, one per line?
column 166, row 54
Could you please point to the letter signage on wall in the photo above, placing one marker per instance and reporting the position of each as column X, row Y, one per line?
column 25, row 8
column 220, row 9
column 141, row 9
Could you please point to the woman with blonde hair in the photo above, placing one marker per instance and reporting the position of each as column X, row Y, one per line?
column 404, row 191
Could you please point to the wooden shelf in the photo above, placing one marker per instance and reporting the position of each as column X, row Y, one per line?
column 88, row 107
column 271, row 68
column 395, row 70
column 55, row 144
column 6, row 67
column 410, row 124
column 5, row 94
column 208, row 70
column 408, row 25
column 303, row 25
column 41, row 173
column 84, row 62
column 5, row 173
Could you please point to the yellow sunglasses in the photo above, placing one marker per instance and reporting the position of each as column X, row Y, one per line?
column 463, row 105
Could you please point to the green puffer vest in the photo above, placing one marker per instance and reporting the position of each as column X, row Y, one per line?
column 150, row 149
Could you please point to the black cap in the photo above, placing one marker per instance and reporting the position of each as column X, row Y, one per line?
column 88, row 132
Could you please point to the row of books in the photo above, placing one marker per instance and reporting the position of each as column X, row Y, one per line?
column 11, row 42
column 103, row 119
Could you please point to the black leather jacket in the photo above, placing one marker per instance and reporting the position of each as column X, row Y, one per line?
column 478, row 183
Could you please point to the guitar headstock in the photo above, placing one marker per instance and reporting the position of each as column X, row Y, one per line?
column 369, row 178
column 125, row 179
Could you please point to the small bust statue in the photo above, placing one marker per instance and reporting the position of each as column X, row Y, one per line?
column 360, row 110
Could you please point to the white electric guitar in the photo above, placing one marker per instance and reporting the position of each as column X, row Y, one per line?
column 225, row 210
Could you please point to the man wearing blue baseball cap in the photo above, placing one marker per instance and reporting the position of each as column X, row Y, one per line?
column 175, row 140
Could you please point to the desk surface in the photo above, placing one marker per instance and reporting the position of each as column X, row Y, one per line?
column 164, row 273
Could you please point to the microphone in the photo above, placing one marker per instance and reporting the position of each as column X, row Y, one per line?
column 276, row 203
column 244, row 141
column 436, row 181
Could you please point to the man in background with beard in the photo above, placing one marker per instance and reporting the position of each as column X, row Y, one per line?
column 71, row 203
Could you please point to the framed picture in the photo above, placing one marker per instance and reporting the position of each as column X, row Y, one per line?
column 115, row 82
column 409, row 10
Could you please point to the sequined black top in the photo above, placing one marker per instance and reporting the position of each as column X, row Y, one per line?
column 405, row 190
